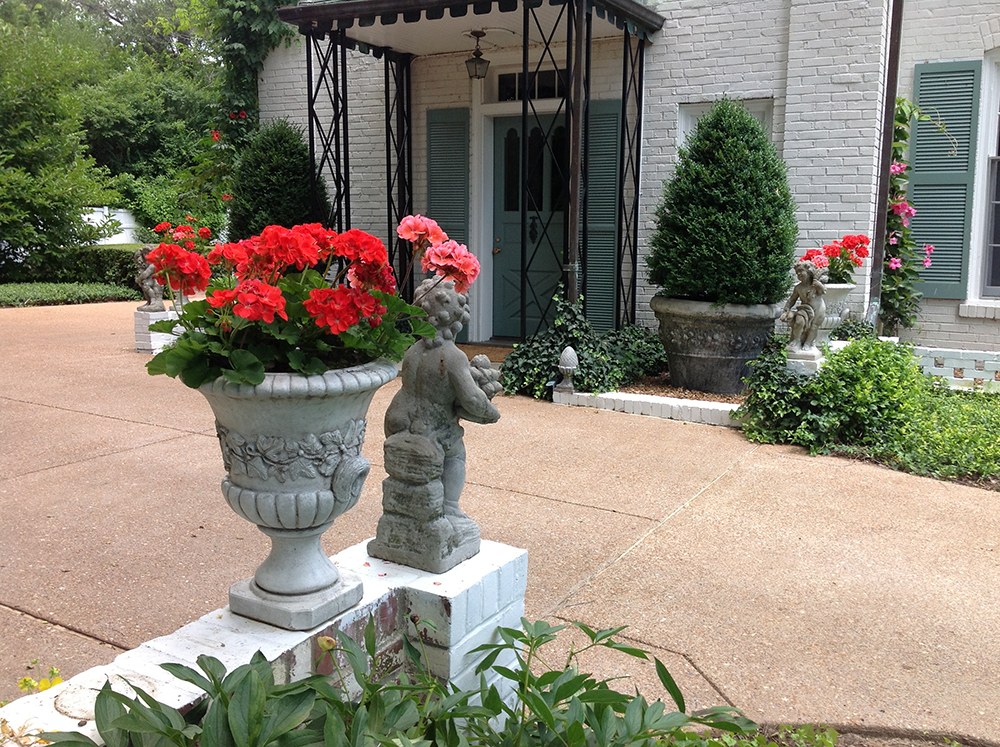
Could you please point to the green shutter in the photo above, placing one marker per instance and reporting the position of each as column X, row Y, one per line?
column 943, row 168
column 448, row 171
column 602, row 215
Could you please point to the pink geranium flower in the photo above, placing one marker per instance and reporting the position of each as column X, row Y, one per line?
column 452, row 261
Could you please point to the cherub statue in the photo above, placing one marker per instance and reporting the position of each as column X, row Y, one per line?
column 422, row 524
column 807, row 316
column 151, row 289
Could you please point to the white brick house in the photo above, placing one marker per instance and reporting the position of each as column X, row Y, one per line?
column 814, row 71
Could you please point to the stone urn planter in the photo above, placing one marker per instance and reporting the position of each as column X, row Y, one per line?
column 708, row 347
column 835, row 298
column 292, row 451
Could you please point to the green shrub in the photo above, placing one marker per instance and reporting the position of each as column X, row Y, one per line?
column 606, row 361
column 953, row 435
column 852, row 329
column 552, row 707
column 56, row 294
column 726, row 230
column 272, row 183
column 859, row 398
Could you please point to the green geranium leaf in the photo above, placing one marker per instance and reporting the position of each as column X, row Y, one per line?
column 246, row 368
column 423, row 328
column 164, row 325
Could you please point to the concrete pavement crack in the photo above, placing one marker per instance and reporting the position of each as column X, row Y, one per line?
column 65, row 626
column 102, row 455
column 558, row 500
column 99, row 415
column 561, row 602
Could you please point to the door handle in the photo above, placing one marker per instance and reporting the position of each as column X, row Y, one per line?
column 496, row 250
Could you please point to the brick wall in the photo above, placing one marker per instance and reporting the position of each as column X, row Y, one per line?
column 819, row 61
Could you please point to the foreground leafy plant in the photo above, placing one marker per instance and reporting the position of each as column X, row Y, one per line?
column 557, row 707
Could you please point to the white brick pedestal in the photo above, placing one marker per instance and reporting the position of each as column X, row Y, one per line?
column 151, row 342
column 465, row 605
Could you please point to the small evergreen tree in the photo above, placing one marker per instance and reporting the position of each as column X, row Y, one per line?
column 726, row 230
column 272, row 183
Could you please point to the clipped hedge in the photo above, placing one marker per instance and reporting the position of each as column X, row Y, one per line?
column 58, row 294
column 112, row 264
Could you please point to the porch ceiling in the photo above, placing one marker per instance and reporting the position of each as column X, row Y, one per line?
column 425, row 27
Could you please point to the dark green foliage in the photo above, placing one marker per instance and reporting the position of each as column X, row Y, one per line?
column 46, row 177
column 953, row 435
column 852, row 329
column 57, row 294
column 859, row 398
column 550, row 708
column 272, row 183
column 245, row 32
column 726, row 228
column 871, row 400
column 606, row 361
column 145, row 120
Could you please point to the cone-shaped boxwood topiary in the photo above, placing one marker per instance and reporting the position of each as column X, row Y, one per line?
column 726, row 228
column 271, row 183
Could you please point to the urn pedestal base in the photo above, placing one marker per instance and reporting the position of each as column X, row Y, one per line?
column 805, row 362
column 299, row 611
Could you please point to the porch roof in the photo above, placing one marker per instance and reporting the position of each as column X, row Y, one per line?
column 376, row 22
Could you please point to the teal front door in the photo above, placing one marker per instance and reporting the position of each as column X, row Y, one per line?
column 526, row 275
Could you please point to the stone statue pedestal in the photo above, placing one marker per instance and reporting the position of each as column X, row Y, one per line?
column 808, row 361
column 151, row 342
column 414, row 529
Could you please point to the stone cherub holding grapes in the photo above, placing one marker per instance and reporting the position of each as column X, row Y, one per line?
column 422, row 525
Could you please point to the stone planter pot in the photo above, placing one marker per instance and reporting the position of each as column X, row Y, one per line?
column 292, row 451
column 835, row 299
column 708, row 347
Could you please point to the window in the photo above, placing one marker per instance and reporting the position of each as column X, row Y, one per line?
column 991, row 261
column 689, row 114
column 543, row 84
column 955, row 178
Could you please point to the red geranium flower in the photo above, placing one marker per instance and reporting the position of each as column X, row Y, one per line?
column 256, row 300
column 185, row 271
column 218, row 299
column 333, row 308
column 163, row 227
column 205, row 232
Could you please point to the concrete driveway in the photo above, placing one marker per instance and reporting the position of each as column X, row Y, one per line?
column 800, row 589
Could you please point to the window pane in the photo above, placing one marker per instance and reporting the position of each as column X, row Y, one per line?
column 507, row 87
column 546, row 84
column 993, row 232
column 560, row 170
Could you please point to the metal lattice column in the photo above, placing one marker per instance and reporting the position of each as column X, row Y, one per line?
column 630, row 158
column 326, row 79
column 541, row 243
column 398, row 162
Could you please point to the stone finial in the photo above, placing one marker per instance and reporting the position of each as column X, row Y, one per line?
column 568, row 363
column 421, row 524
